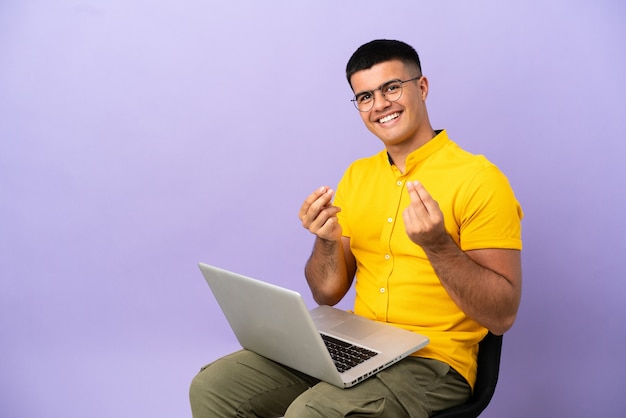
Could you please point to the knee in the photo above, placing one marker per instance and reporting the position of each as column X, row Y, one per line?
column 205, row 389
column 200, row 392
column 199, row 384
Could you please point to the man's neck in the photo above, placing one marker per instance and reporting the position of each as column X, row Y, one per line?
column 398, row 153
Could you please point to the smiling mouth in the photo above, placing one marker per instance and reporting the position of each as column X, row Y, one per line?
column 389, row 118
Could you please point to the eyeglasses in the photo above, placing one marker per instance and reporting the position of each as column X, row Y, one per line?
column 391, row 91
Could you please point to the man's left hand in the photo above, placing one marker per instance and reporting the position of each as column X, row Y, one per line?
column 423, row 218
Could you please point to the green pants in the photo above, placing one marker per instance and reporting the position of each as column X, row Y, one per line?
column 245, row 384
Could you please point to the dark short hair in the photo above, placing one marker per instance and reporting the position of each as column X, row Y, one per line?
column 381, row 50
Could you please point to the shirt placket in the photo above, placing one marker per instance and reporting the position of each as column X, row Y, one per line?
column 390, row 222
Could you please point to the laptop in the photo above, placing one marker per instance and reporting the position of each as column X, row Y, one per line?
column 275, row 323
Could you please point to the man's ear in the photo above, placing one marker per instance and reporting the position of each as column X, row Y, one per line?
column 423, row 85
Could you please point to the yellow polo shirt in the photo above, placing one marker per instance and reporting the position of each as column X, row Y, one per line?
column 395, row 282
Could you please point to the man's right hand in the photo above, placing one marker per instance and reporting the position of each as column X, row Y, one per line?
column 319, row 216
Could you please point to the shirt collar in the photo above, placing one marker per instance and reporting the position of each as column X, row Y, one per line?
column 427, row 148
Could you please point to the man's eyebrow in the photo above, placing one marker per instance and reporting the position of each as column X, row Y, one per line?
column 370, row 91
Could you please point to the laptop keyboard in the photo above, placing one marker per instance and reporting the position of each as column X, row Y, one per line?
column 346, row 355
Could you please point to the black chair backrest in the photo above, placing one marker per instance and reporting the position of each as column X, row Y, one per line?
column 489, row 351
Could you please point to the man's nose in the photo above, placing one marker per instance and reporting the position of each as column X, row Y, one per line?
column 380, row 101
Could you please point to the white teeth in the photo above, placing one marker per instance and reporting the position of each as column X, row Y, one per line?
column 389, row 117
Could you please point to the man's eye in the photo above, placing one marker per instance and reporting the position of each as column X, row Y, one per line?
column 364, row 97
column 391, row 87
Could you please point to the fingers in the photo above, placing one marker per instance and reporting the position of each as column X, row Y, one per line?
column 420, row 198
column 318, row 215
column 315, row 201
column 423, row 219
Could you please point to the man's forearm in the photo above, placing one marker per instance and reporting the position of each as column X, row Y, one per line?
column 326, row 272
column 485, row 284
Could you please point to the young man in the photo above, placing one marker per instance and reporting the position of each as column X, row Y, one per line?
column 432, row 235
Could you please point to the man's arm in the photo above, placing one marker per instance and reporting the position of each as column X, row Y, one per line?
column 328, row 272
column 331, row 267
column 486, row 284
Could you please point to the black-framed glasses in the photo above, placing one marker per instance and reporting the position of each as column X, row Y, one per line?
column 391, row 91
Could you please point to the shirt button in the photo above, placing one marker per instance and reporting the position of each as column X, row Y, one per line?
column 387, row 256
column 389, row 220
column 382, row 290
column 399, row 183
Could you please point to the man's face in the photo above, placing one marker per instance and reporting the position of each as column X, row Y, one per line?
column 400, row 122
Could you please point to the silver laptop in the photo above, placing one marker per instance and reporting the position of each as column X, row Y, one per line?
column 275, row 323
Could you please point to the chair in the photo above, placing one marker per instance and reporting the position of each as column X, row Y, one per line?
column 489, row 350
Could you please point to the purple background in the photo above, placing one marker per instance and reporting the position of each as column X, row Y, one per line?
column 138, row 138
